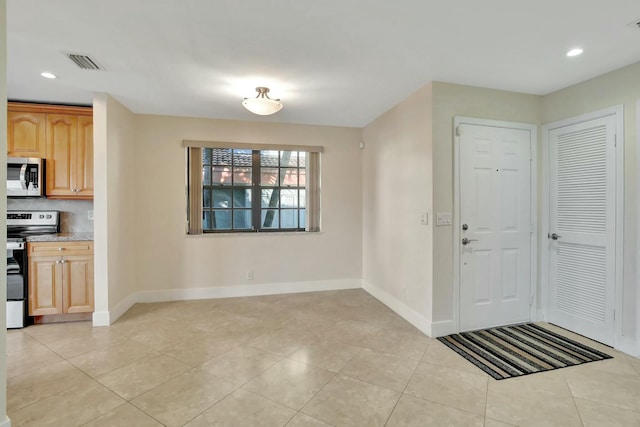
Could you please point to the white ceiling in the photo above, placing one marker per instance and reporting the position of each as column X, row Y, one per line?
column 332, row 62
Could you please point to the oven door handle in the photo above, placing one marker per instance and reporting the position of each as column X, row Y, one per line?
column 23, row 177
column 15, row 245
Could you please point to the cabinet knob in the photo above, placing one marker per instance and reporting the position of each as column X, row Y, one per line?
column 61, row 249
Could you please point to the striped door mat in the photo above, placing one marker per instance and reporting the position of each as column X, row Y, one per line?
column 513, row 351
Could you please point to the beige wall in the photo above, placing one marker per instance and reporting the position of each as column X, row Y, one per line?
column 407, row 169
column 167, row 259
column 114, row 202
column 100, row 203
column 122, row 208
column 3, row 211
column 397, row 188
column 615, row 88
column 450, row 100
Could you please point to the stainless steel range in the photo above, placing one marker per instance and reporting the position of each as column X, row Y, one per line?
column 20, row 225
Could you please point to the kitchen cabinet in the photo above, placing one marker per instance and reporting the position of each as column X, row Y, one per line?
column 63, row 136
column 60, row 278
column 26, row 134
column 69, row 156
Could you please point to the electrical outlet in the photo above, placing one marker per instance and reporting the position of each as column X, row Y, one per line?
column 249, row 275
column 90, row 214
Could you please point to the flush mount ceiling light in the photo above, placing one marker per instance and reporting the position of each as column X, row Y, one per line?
column 262, row 104
column 574, row 52
column 48, row 75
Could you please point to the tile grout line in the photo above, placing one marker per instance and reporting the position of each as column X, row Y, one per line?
column 573, row 399
column 335, row 374
column 402, row 393
column 440, row 403
column 119, row 406
column 206, row 409
column 298, row 411
column 486, row 403
column 93, row 380
column 160, row 353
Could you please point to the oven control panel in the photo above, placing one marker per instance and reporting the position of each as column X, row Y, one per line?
column 32, row 218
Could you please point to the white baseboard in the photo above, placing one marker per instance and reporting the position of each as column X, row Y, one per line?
column 247, row 290
column 101, row 318
column 108, row 317
column 400, row 308
column 627, row 345
column 6, row 422
column 121, row 308
column 442, row 328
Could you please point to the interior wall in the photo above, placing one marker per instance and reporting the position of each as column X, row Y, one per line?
column 122, row 206
column 397, row 189
column 4, row 420
column 100, row 217
column 618, row 87
column 114, row 202
column 450, row 100
column 168, row 259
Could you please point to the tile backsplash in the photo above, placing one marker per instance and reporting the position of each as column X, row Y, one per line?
column 73, row 213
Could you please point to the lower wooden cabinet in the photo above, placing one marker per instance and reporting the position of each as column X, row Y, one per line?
column 60, row 278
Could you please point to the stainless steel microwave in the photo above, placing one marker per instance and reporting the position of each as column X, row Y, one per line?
column 25, row 177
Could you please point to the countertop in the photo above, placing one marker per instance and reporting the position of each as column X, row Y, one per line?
column 61, row 237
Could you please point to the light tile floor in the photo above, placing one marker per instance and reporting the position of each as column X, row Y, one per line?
column 332, row 358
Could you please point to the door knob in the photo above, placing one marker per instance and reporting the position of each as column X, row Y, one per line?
column 554, row 236
column 466, row 241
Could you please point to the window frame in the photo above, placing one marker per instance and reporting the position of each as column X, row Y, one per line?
column 311, row 189
column 256, row 188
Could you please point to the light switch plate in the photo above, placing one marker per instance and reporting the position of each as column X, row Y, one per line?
column 444, row 218
column 90, row 214
column 424, row 218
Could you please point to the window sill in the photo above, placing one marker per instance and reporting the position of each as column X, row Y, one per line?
column 266, row 233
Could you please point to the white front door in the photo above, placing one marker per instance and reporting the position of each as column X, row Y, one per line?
column 495, row 225
column 582, row 227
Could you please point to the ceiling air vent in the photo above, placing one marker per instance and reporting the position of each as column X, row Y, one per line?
column 83, row 61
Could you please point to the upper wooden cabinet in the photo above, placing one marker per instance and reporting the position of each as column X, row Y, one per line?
column 26, row 134
column 69, row 156
column 64, row 137
column 84, row 157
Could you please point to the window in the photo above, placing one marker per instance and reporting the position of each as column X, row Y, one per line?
column 241, row 188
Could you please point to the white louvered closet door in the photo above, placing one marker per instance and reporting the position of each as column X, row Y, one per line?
column 582, row 228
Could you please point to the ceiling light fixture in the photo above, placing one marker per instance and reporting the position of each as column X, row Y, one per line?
column 262, row 105
column 574, row 52
column 48, row 75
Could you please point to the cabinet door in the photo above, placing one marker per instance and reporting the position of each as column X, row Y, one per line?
column 62, row 133
column 45, row 286
column 83, row 176
column 78, row 284
column 26, row 134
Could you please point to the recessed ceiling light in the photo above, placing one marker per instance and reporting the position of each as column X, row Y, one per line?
column 575, row 52
column 48, row 75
